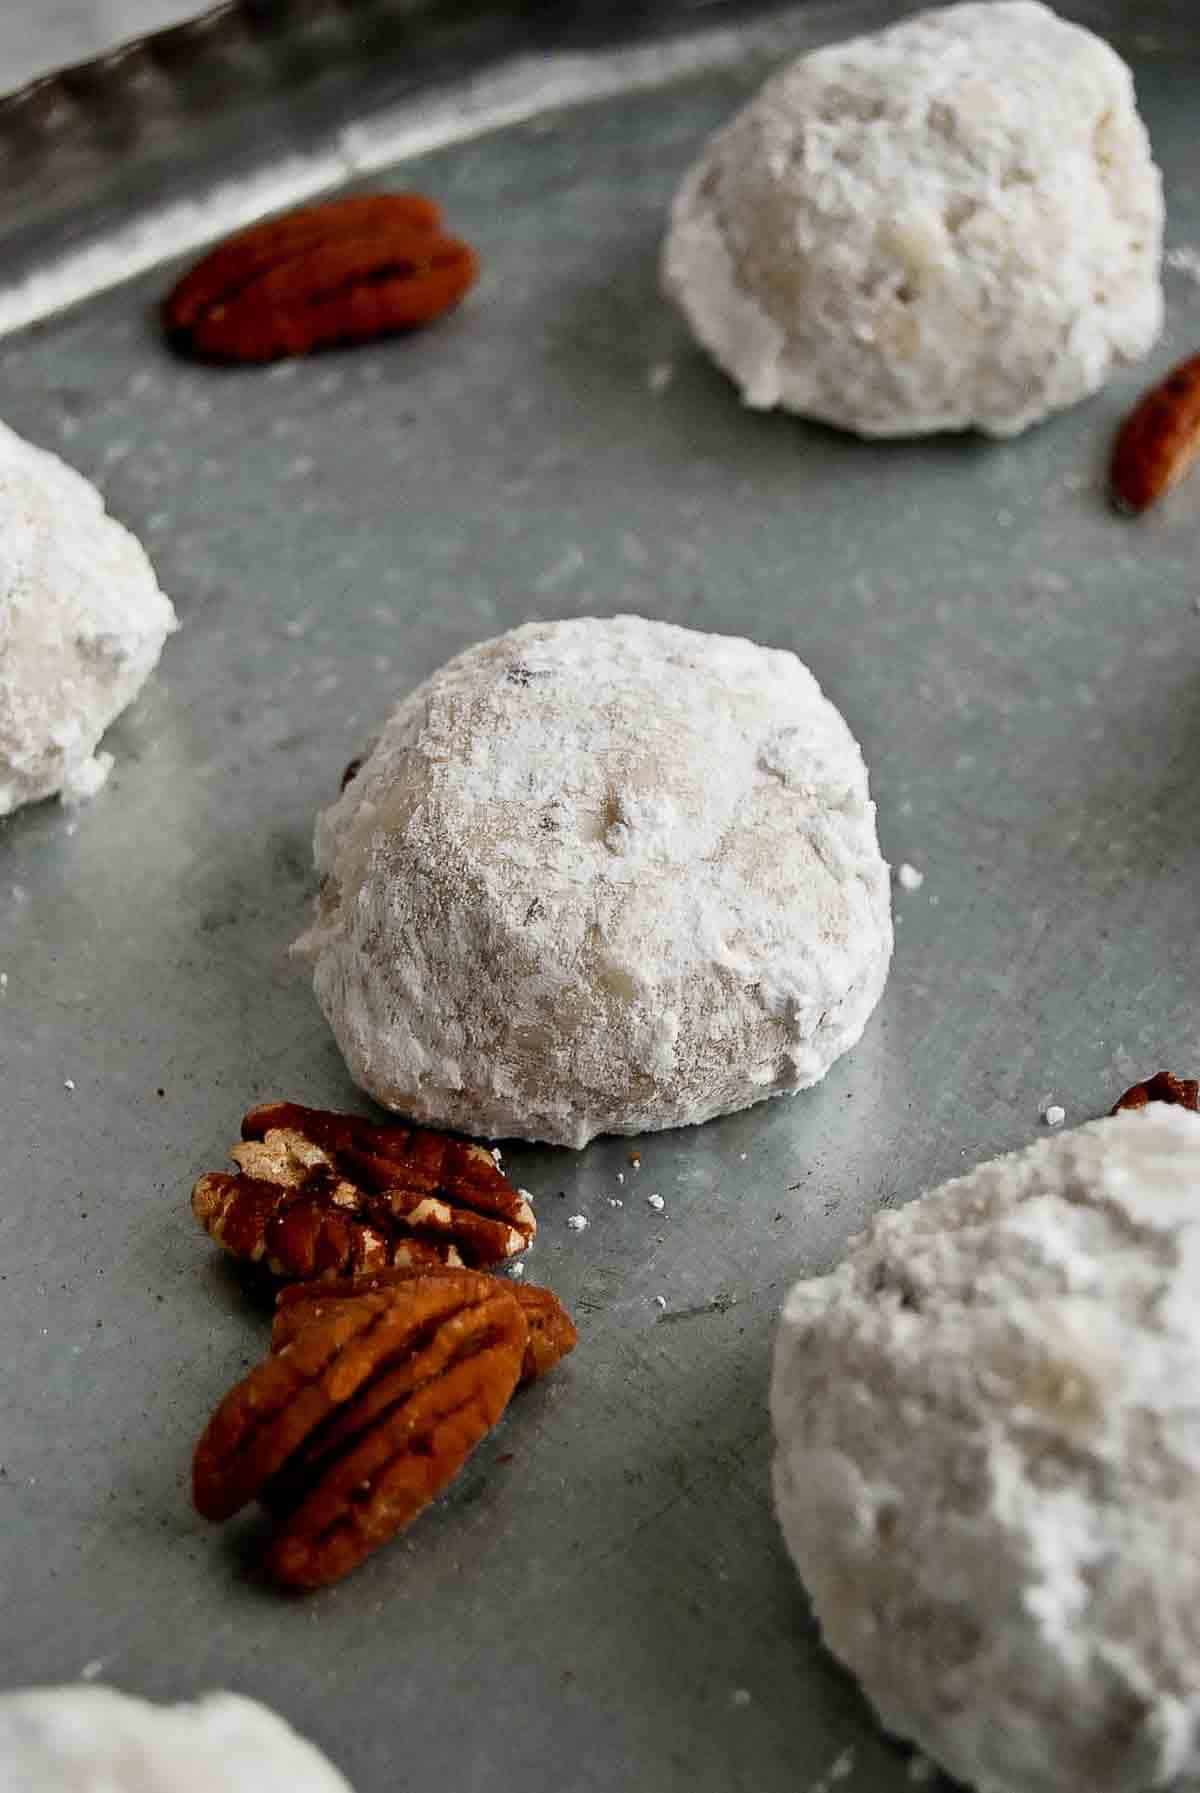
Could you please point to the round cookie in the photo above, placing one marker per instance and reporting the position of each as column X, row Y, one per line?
column 82, row 624
column 987, row 1431
column 601, row 876
column 95, row 1740
column 954, row 223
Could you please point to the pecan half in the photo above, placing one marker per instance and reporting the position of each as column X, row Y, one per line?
column 332, row 1195
column 349, row 1429
column 345, row 271
column 552, row 1333
column 1180, row 1092
column 1159, row 439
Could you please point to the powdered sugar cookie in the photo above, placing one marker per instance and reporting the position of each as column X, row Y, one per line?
column 987, row 1459
column 82, row 624
column 601, row 876
column 954, row 223
column 95, row 1740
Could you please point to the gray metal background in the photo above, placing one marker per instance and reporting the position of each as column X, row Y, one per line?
column 601, row 1601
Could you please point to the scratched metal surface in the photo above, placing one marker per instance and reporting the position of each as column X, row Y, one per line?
column 601, row 1601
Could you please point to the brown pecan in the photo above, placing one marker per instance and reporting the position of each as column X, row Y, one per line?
column 332, row 1195
column 1159, row 439
column 552, row 1333
column 345, row 271
column 1180, row 1092
column 356, row 1423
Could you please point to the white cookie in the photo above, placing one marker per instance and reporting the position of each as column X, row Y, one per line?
column 601, row 877
column 953, row 223
column 95, row 1740
column 988, row 1461
column 82, row 624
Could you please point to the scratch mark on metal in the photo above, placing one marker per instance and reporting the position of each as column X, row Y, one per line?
column 720, row 1304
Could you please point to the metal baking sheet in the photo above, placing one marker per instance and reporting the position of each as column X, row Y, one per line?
column 602, row 1600
column 36, row 41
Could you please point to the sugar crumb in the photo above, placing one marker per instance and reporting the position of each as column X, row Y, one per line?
column 1054, row 1115
column 68, row 1083
column 656, row 1202
column 1184, row 260
column 909, row 878
column 576, row 1222
column 660, row 1301
column 740, row 1696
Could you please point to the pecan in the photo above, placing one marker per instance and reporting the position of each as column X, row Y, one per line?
column 324, row 1195
column 345, row 271
column 1180, row 1092
column 1159, row 439
column 354, row 1424
column 552, row 1332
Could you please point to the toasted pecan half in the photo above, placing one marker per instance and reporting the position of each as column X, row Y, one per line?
column 347, row 270
column 552, row 1333
column 320, row 1194
column 350, row 1428
column 1159, row 440
column 1179, row 1092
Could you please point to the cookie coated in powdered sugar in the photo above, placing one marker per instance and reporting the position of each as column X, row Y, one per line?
column 82, row 625
column 95, row 1740
column 954, row 223
column 601, row 876
column 987, row 1427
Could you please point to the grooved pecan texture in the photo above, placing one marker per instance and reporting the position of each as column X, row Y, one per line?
column 1180, row 1092
column 345, row 271
column 1159, row 439
column 319, row 1194
column 552, row 1333
column 354, row 1424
